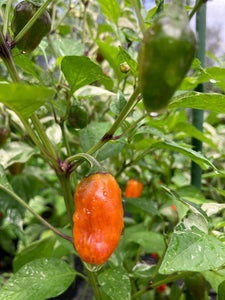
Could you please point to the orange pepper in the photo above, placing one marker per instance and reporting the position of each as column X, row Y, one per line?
column 133, row 189
column 98, row 219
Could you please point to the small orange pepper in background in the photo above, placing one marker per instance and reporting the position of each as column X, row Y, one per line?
column 133, row 188
column 98, row 219
column 173, row 207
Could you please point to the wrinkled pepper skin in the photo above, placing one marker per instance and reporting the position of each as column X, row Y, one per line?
column 133, row 189
column 98, row 219
column 165, row 56
column 23, row 12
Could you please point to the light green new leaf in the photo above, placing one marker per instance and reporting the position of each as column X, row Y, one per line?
column 80, row 71
column 24, row 99
column 110, row 9
column 39, row 279
column 191, row 247
column 115, row 283
column 213, row 102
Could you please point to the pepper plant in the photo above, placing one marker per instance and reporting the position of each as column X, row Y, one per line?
column 71, row 98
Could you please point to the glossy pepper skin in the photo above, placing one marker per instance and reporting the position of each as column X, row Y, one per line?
column 78, row 116
column 165, row 56
column 133, row 189
column 23, row 12
column 98, row 219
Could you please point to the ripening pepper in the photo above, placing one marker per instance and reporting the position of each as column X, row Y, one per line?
column 166, row 53
column 133, row 189
column 23, row 12
column 98, row 218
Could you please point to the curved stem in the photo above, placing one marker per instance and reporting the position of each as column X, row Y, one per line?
column 29, row 24
column 196, row 8
column 43, row 221
column 84, row 156
column 43, row 136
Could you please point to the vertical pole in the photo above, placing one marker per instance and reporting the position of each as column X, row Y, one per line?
column 197, row 115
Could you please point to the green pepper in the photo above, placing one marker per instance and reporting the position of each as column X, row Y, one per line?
column 23, row 12
column 166, row 53
column 78, row 116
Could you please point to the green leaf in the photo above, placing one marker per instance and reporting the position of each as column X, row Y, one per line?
column 24, row 99
column 221, row 291
column 218, row 75
column 39, row 279
column 9, row 206
column 150, row 241
column 214, row 102
column 192, row 131
column 91, row 134
column 191, row 248
column 130, row 61
column 115, row 283
column 110, row 9
column 68, row 47
column 197, row 157
column 143, row 204
column 118, row 103
column 215, row 278
column 24, row 62
column 38, row 249
column 16, row 152
column 3, row 179
column 111, row 54
column 213, row 208
column 80, row 71
column 143, row 270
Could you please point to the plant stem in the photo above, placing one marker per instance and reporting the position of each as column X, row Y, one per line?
column 29, row 24
column 67, row 194
column 94, row 284
column 43, row 136
column 196, row 8
column 126, row 110
column 43, row 221
column 6, row 18
column 5, row 54
column 140, row 18
column 158, row 283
